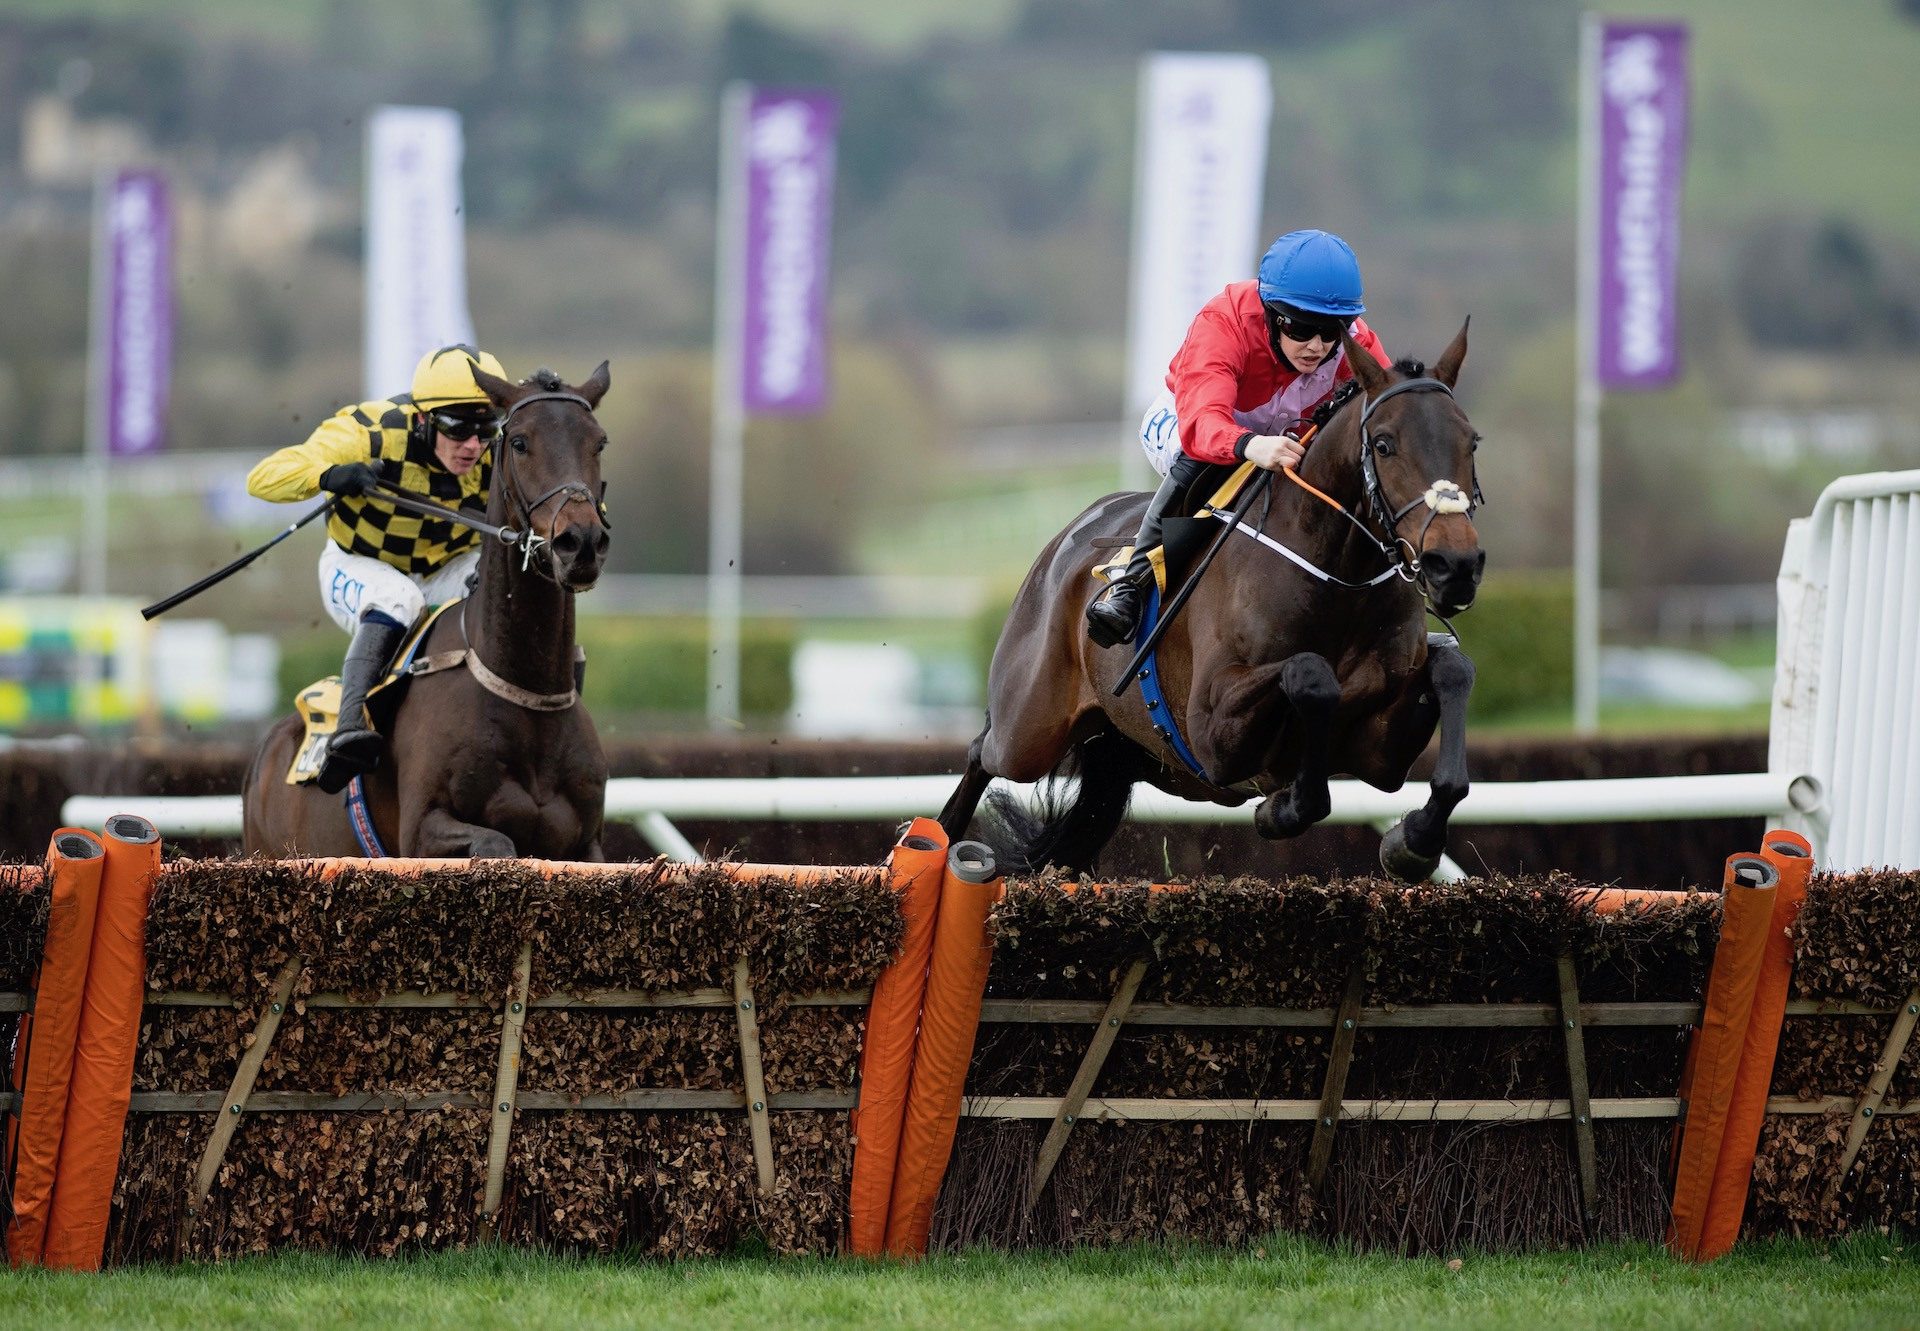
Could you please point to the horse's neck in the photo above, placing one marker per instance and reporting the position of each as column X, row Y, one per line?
column 521, row 623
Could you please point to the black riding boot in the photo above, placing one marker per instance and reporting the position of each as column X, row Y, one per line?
column 355, row 747
column 1115, row 617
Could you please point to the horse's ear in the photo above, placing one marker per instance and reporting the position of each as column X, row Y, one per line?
column 499, row 392
column 1370, row 373
column 1447, row 368
column 596, row 385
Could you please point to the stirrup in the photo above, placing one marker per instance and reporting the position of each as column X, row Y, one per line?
column 360, row 754
column 1108, row 625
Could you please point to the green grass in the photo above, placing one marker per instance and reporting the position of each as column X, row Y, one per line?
column 1294, row 1283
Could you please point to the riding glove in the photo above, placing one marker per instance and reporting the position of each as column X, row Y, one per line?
column 355, row 479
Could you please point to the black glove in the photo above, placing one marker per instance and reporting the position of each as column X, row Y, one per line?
column 356, row 479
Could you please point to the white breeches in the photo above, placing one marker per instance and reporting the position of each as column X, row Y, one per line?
column 351, row 585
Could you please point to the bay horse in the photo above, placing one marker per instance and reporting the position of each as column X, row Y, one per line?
column 492, row 756
column 1281, row 671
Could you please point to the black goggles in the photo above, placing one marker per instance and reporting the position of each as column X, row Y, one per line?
column 460, row 428
column 1306, row 327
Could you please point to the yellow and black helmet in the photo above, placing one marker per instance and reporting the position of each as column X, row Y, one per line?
column 444, row 378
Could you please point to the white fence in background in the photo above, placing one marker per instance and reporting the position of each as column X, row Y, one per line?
column 1844, row 710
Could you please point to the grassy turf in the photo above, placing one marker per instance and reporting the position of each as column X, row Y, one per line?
column 1294, row 1283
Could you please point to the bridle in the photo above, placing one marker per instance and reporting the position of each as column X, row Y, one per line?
column 1402, row 556
column 1442, row 496
column 522, row 538
column 526, row 538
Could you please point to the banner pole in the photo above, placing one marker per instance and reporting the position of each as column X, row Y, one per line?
column 95, row 514
column 1586, row 431
column 726, row 492
column 1134, row 471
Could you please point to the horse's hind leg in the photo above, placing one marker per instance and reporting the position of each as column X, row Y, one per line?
column 966, row 796
column 1412, row 849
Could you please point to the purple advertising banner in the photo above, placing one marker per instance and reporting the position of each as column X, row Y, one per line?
column 137, row 339
column 1642, row 162
column 789, row 153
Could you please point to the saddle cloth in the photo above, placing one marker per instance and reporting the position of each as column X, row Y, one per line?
column 318, row 705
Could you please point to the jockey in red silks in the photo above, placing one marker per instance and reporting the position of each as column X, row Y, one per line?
column 1258, row 359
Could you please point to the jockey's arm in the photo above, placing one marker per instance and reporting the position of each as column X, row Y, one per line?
column 294, row 473
column 1205, row 377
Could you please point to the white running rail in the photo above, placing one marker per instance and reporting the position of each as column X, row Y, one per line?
column 652, row 803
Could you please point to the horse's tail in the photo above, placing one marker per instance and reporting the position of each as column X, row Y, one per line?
column 1068, row 827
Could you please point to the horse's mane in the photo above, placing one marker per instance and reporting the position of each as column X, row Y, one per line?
column 545, row 380
column 1411, row 367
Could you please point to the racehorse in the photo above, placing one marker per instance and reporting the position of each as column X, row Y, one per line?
column 489, row 753
column 1301, row 653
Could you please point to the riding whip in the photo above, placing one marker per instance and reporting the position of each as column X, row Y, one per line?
column 220, row 575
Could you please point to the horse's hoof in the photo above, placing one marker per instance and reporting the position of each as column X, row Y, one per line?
column 1403, row 862
column 1280, row 818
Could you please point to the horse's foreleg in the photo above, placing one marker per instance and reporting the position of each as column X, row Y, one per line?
column 1412, row 849
column 441, row 834
column 1313, row 692
column 966, row 796
column 1243, row 723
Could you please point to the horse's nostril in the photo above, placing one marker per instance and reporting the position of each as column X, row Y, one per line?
column 602, row 541
column 567, row 542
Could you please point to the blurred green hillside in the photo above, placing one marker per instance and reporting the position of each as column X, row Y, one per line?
column 981, row 236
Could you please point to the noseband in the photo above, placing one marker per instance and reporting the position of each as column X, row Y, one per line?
column 529, row 539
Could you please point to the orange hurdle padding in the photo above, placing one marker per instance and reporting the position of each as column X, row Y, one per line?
column 44, row 1053
column 917, row 869
column 1745, row 922
column 949, row 1021
column 103, row 1053
column 1791, row 855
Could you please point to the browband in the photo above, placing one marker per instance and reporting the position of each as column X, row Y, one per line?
column 545, row 397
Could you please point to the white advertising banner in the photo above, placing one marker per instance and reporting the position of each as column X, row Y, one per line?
column 1199, row 182
column 416, row 299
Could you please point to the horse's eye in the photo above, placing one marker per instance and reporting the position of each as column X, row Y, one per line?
column 1474, row 445
column 600, row 448
column 518, row 443
column 1383, row 445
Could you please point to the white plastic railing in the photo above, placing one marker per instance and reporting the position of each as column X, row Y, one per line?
column 1844, row 705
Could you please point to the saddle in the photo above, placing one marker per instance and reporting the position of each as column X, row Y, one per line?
column 318, row 705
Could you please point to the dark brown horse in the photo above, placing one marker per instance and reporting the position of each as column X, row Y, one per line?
column 494, row 757
column 1277, row 677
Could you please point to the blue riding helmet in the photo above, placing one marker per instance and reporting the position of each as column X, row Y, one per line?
column 1313, row 271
